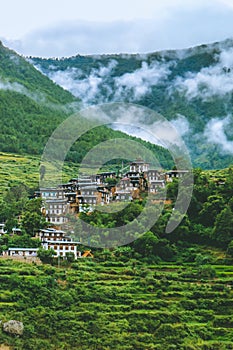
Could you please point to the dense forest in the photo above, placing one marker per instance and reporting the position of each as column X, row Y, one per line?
column 32, row 107
column 192, row 88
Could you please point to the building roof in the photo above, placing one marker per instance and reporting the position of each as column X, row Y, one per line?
column 61, row 242
column 52, row 230
column 25, row 249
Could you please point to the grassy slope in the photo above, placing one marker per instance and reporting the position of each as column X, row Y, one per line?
column 15, row 169
column 115, row 305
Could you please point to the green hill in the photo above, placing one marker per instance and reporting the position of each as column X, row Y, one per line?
column 192, row 88
column 32, row 107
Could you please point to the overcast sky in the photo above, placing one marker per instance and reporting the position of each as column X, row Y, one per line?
column 68, row 27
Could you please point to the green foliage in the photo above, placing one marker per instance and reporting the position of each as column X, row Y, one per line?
column 223, row 228
column 105, row 305
column 32, row 218
column 230, row 249
column 46, row 256
column 163, row 97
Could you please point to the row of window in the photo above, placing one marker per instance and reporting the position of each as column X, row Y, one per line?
column 52, row 194
column 55, row 211
column 55, row 247
column 55, row 206
column 56, row 219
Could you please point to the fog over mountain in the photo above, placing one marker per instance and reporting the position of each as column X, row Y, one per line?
column 192, row 88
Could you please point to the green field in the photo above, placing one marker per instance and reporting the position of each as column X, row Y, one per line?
column 16, row 169
column 117, row 305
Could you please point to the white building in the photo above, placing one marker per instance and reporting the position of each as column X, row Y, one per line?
column 59, row 242
column 23, row 252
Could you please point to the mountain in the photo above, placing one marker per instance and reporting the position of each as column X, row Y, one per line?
column 32, row 106
column 192, row 88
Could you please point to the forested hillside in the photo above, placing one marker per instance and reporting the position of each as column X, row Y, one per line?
column 32, row 107
column 192, row 88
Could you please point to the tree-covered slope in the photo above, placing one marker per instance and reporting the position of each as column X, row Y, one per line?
column 32, row 107
column 192, row 88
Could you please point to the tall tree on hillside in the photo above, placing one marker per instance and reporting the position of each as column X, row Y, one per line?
column 223, row 227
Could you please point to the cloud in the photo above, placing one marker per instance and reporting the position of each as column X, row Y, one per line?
column 90, row 88
column 210, row 81
column 136, row 85
column 6, row 85
column 181, row 124
column 99, row 85
column 215, row 133
column 173, row 29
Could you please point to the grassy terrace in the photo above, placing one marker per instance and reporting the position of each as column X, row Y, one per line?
column 116, row 305
column 15, row 169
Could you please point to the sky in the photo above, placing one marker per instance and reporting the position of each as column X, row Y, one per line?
column 60, row 28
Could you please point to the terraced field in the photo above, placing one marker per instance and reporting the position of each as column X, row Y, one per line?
column 116, row 305
column 16, row 169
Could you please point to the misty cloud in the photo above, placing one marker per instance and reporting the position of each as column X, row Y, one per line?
column 6, row 85
column 89, row 88
column 210, row 81
column 181, row 124
column 99, row 86
column 215, row 133
column 38, row 96
column 139, row 83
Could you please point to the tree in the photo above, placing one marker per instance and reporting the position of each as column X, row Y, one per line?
column 70, row 257
column 230, row 249
column 146, row 245
column 32, row 218
column 46, row 256
column 211, row 209
column 223, row 226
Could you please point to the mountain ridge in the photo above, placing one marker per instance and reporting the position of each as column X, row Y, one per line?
column 192, row 88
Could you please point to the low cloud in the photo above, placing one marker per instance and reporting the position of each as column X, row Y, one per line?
column 215, row 133
column 181, row 124
column 136, row 85
column 90, row 88
column 210, row 81
column 100, row 85
column 6, row 85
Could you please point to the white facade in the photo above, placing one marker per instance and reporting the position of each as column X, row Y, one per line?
column 59, row 242
column 61, row 248
column 21, row 252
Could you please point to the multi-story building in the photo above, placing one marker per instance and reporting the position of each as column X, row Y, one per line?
column 59, row 242
column 56, row 205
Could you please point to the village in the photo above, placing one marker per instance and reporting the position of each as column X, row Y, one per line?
column 84, row 193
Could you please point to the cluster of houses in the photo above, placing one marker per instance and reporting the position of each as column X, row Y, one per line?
column 83, row 194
